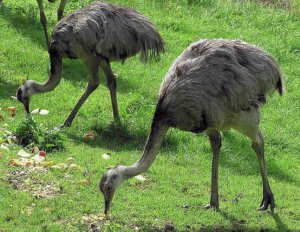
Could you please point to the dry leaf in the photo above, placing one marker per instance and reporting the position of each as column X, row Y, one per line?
column 38, row 158
column 56, row 167
column 84, row 182
column 47, row 164
column 44, row 112
column 74, row 167
column 90, row 135
column 1, row 117
column 20, row 163
column 106, row 156
column 62, row 165
column 23, row 154
column 36, row 111
column 3, row 147
column 35, row 150
column 70, row 159
column 12, row 110
column 140, row 178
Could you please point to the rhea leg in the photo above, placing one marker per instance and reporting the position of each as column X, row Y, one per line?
column 61, row 8
column 43, row 20
column 111, row 83
column 247, row 123
column 258, row 147
column 215, row 142
column 93, row 67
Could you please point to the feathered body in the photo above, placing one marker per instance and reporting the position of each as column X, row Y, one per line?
column 212, row 86
column 212, row 81
column 108, row 31
column 97, row 34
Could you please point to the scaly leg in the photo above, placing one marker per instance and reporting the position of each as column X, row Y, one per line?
column 215, row 142
column 111, row 83
column 93, row 67
column 43, row 21
column 268, row 199
column 60, row 11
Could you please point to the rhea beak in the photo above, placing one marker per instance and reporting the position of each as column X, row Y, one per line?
column 107, row 205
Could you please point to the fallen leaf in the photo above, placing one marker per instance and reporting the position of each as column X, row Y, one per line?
column 74, row 167
column 106, row 156
column 3, row 147
column 12, row 110
column 23, row 154
column 62, row 165
column 35, row 150
column 140, row 178
column 38, row 158
column 1, row 117
column 56, row 167
column 47, row 164
column 36, row 111
column 70, row 159
column 44, row 112
column 90, row 135
column 84, row 182
column 20, row 163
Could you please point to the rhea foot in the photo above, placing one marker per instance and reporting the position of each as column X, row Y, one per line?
column 267, row 200
column 212, row 206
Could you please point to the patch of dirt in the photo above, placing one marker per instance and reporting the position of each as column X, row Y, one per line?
column 25, row 180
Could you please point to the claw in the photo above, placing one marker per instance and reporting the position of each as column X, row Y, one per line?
column 266, row 201
column 211, row 206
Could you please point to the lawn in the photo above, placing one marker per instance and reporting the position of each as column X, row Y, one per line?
column 178, row 184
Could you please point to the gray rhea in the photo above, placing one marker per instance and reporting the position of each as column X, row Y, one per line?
column 214, row 85
column 97, row 34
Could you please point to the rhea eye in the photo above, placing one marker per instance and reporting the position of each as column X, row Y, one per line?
column 114, row 177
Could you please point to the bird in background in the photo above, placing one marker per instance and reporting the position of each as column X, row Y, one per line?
column 97, row 34
column 43, row 18
column 213, row 86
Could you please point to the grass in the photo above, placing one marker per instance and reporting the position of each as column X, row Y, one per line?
column 178, row 183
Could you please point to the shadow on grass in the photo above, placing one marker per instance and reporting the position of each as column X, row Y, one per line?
column 120, row 138
column 241, row 225
column 25, row 22
column 248, row 165
column 280, row 225
column 7, row 88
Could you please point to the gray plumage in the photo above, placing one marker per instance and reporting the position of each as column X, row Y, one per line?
column 214, row 85
column 212, row 81
column 97, row 34
column 107, row 30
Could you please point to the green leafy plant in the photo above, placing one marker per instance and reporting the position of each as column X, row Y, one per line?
column 29, row 133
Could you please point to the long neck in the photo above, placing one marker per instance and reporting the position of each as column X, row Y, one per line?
column 54, row 76
column 155, row 138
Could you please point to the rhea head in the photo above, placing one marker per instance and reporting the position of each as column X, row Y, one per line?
column 24, row 94
column 109, row 183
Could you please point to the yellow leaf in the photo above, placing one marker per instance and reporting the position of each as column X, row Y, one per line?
column 84, row 182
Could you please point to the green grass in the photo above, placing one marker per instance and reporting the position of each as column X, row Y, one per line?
column 179, row 181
